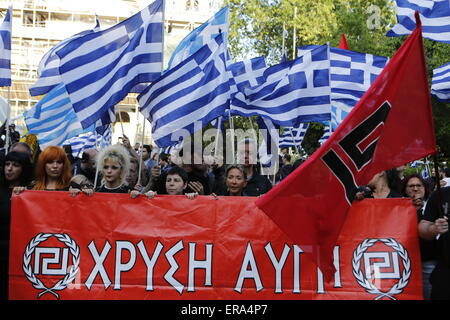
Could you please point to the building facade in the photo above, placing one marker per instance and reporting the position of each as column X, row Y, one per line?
column 38, row 25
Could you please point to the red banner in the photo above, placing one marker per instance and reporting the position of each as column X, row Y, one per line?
column 114, row 247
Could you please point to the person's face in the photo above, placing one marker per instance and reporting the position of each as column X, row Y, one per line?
column 175, row 184
column 13, row 170
column 111, row 172
column 133, row 174
column 415, row 189
column 235, row 181
column 54, row 168
column 145, row 154
column 247, row 154
column 88, row 163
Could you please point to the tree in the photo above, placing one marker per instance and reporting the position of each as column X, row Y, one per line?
column 256, row 28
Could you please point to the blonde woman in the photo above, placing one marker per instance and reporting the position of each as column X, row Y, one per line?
column 114, row 162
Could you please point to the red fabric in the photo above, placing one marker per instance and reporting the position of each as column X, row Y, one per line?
column 343, row 44
column 228, row 225
column 310, row 204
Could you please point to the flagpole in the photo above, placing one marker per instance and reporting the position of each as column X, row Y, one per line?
column 216, row 147
column 295, row 142
column 230, row 119
column 7, row 145
column 96, row 164
column 256, row 140
column 140, row 155
column 121, row 123
column 283, row 45
column 294, row 53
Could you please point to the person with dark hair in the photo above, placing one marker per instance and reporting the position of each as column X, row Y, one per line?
column 52, row 170
column 14, row 136
column 415, row 187
column 257, row 184
column 297, row 163
column 86, row 166
column 397, row 177
column 16, row 172
column 434, row 226
column 381, row 185
column 146, row 157
column 286, row 167
column 235, row 180
column 164, row 162
column 22, row 147
column 176, row 184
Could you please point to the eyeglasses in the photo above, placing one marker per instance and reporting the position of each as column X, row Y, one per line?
column 419, row 186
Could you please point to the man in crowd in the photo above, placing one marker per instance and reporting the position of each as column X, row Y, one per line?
column 87, row 166
column 286, row 167
column 257, row 184
column 14, row 135
column 434, row 225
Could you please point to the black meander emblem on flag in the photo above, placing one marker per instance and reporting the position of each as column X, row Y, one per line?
column 350, row 144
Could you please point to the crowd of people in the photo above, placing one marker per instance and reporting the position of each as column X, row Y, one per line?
column 140, row 171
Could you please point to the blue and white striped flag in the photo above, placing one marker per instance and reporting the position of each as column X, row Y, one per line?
column 5, row 50
column 440, row 85
column 352, row 74
column 434, row 15
column 293, row 137
column 200, row 36
column 53, row 119
column 425, row 172
column 326, row 134
column 48, row 68
column 91, row 140
column 100, row 68
column 248, row 73
column 189, row 96
column 293, row 92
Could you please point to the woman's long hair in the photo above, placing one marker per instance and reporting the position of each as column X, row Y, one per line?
column 50, row 154
column 27, row 169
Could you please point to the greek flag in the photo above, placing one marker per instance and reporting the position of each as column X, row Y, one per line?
column 48, row 68
column 293, row 91
column 352, row 74
column 293, row 137
column 326, row 134
column 434, row 15
column 425, row 172
column 189, row 96
column 440, row 85
column 200, row 36
column 100, row 68
column 91, row 140
column 248, row 73
column 53, row 119
column 5, row 50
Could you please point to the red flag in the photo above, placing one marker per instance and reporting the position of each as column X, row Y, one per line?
column 391, row 125
column 343, row 44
